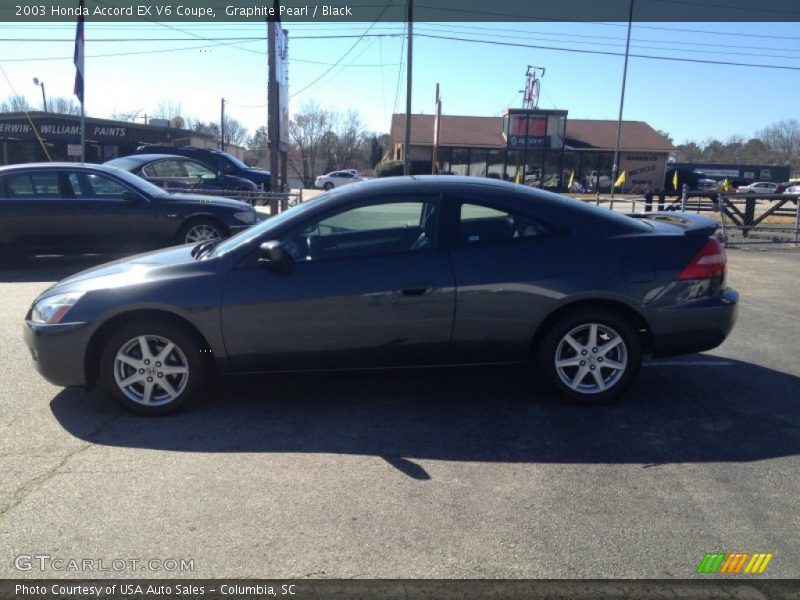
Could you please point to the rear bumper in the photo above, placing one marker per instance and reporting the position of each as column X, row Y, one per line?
column 58, row 351
column 695, row 326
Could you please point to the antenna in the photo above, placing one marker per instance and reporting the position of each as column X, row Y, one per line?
column 530, row 98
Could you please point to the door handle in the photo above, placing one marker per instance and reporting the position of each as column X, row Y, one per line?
column 416, row 291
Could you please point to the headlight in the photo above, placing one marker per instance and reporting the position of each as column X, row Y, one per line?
column 248, row 217
column 53, row 309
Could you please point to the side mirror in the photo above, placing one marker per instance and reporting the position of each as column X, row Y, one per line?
column 273, row 254
column 131, row 197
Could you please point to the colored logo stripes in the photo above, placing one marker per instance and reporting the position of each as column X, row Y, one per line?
column 734, row 562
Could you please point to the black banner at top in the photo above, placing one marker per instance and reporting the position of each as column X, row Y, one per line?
column 395, row 10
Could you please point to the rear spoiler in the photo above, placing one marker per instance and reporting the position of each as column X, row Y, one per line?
column 690, row 223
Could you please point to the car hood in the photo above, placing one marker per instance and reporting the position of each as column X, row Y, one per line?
column 169, row 263
column 201, row 199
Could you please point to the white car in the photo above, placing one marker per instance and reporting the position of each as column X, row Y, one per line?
column 792, row 189
column 338, row 178
column 759, row 187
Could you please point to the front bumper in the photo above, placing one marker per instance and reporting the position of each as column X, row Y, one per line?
column 58, row 351
column 695, row 326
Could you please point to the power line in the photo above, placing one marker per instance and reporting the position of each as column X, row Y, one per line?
column 349, row 50
column 609, row 53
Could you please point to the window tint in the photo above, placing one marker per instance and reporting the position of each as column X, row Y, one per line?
column 167, row 168
column 194, row 169
column 76, row 184
column 372, row 230
column 104, row 186
column 28, row 185
column 480, row 224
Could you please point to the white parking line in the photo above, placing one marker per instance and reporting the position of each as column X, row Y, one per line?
column 688, row 363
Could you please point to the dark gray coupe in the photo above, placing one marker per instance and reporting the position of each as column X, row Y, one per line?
column 395, row 273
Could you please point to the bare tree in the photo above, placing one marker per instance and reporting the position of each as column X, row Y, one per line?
column 235, row 132
column 64, row 106
column 167, row 109
column 783, row 139
column 15, row 103
column 130, row 116
column 306, row 133
column 349, row 140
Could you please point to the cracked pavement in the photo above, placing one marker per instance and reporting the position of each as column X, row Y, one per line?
column 407, row 475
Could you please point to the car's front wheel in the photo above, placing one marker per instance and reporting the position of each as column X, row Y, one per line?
column 591, row 356
column 152, row 367
column 200, row 230
column 328, row 186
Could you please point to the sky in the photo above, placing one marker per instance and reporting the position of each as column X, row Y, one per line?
column 198, row 64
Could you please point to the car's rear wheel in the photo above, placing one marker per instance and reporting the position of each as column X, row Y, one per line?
column 200, row 230
column 591, row 356
column 328, row 186
column 152, row 367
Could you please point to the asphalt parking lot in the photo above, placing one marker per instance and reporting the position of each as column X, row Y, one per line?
column 438, row 475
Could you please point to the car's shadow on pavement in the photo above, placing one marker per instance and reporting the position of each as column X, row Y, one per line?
column 27, row 269
column 714, row 411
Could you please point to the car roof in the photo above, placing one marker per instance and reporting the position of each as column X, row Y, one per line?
column 149, row 157
column 50, row 165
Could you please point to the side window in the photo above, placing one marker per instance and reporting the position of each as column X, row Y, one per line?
column 194, row 169
column 227, row 166
column 479, row 224
column 78, row 187
column 33, row 185
column 369, row 230
column 104, row 186
column 168, row 168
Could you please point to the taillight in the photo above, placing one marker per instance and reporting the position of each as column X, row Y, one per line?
column 707, row 264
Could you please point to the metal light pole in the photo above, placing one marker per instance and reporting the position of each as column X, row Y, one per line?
column 406, row 156
column 41, row 85
column 615, row 168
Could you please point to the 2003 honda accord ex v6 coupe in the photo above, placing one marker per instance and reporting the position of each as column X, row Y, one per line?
column 395, row 273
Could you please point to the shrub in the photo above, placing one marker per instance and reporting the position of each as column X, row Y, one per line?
column 394, row 168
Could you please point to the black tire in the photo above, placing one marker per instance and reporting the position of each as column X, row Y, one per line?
column 188, row 233
column 156, row 333
column 328, row 186
column 593, row 360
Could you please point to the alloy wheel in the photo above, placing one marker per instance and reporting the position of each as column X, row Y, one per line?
column 591, row 358
column 151, row 370
column 201, row 233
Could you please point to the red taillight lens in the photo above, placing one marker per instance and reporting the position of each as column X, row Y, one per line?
column 707, row 264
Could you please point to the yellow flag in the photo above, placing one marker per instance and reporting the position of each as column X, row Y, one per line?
column 726, row 185
column 620, row 180
column 675, row 180
column 518, row 178
column 571, row 181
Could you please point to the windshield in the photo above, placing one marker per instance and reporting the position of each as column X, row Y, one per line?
column 136, row 181
column 235, row 161
column 127, row 163
column 263, row 228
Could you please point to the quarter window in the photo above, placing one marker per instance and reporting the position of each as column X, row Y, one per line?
column 479, row 224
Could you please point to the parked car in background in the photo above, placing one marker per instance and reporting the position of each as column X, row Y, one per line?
column 337, row 179
column 180, row 173
column 64, row 207
column 759, row 187
column 783, row 186
column 396, row 273
column 221, row 161
column 794, row 188
column 707, row 184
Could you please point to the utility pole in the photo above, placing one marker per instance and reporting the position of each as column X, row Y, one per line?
column 222, row 126
column 273, row 108
column 406, row 157
column 615, row 168
column 437, row 121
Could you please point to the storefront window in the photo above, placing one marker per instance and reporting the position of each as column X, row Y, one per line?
column 443, row 156
column 514, row 165
column 477, row 164
column 495, row 163
column 460, row 161
column 553, row 176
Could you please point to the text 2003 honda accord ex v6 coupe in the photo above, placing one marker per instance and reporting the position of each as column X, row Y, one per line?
column 392, row 273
